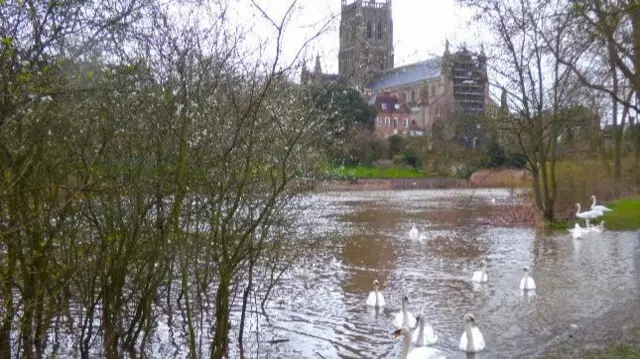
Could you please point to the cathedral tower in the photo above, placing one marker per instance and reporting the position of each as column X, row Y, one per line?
column 366, row 39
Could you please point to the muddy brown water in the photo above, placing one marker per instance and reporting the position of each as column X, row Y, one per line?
column 324, row 315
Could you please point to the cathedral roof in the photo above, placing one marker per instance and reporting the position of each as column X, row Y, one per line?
column 408, row 74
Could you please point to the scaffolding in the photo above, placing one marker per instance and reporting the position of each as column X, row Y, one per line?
column 468, row 74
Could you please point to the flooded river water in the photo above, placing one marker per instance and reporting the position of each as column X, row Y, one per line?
column 323, row 314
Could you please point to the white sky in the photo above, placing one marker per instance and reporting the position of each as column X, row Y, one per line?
column 420, row 28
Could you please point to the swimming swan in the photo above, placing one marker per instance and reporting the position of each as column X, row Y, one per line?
column 472, row 340
column 413, row 233
column 598, row 207
column 404, row 318
column 480, row 275
column 598, row 228
column 577, row 231
column 527, row 283
column 425, row 335
column 375, row 298
column 415, row 353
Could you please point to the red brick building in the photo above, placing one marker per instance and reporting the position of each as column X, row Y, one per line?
column 394, row 117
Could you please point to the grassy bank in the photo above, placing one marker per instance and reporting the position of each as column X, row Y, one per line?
column 624, row 215
column 613, row 351
column 374, row 172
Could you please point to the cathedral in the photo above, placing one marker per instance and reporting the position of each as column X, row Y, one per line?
column 429, row 90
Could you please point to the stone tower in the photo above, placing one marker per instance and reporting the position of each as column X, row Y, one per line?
column 366, row 39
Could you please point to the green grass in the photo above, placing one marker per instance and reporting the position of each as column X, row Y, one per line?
column 376, row 172
column 624, row 215
column 613, row 351
column 562, row 225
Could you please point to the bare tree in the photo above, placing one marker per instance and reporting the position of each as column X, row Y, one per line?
column 612, row 28
column 150, row 171
column 536, row 84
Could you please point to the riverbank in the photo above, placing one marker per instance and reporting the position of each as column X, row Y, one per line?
column 614, row 335
column 380, row 179
column 388, row 184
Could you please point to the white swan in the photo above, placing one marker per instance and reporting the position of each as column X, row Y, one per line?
column 587, row 214
column 598, row 207
column 375, row 299
column 577, row 231
column 404, row 318
column 480, row 275
column 472, row 340
column 527, row 283
column 416, row 353
column 413, row 233
column 598, row 228
column 424, row 335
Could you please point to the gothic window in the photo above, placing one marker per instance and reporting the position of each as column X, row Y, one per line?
column 413, row 96
column 368, row 30
column 433, row 90
column 379, row 30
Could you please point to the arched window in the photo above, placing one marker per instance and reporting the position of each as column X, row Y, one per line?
column 379, row 30
column 368, row 30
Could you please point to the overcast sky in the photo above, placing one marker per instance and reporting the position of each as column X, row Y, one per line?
column 420, row 27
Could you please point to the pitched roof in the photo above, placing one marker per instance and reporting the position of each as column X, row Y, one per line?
column 408, row 74
column 390, row 103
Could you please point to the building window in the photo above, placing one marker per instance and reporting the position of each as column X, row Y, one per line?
column 384, row 106
column 379, row 30
column 378, row 121
column 433, row 90
column 397, row 106
column 395, row 122
column 368, row 30
column 387, row 121
column 413, row 96
column 381, row 66
column 406, row 122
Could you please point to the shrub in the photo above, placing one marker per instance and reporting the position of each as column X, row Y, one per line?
column 499, row 178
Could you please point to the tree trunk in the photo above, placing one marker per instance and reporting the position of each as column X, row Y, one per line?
column 9, row 310
column 110, row 339
column 221, row 336
column 636, row 131
column 617, row 138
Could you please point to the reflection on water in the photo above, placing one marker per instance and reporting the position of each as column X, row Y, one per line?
column 326, row 317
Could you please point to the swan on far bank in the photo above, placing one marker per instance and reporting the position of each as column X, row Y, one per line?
column 375, row 299
column 527, row 283
column 404, row 318
column 424, row 335
column 587, row 214
column 415, row 353
column 480, row 275
column 472, row 340
column 600, row 208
